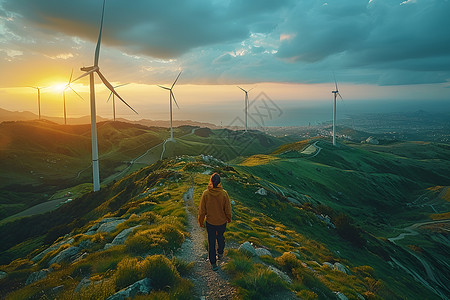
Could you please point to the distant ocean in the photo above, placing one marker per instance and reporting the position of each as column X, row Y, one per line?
column 313, row 113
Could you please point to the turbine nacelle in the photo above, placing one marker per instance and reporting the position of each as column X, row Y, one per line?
column 88, row 70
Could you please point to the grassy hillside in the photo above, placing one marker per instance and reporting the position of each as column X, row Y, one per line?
column 41, row 157
column 288, row 220
column 357, row 219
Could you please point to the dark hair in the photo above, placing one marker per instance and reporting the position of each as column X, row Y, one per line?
column 215, row 179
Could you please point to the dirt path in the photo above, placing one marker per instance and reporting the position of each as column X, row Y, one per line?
column 208, row 284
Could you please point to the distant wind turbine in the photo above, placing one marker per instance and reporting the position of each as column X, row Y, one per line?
column 171, row 96
column 246, row 105
column 336, row 93
column 64, row 96
column 38, row 97
column 90, row 71
column 113, row 99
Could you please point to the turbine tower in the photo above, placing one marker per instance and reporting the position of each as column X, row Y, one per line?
column 90, row 71
column 64, row 96
column 38, row 97
column 171, row 96
column 113, row 101
column 336, row 93
column 246, row 105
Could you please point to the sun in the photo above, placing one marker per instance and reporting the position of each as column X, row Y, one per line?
column 58, row 87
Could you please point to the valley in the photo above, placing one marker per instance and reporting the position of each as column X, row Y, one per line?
column 356, row 220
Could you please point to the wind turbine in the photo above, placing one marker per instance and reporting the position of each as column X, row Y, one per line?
column 113, row 101
column 246, row 105
column 38, row 97
column 171, row 96
column 64, row 96
column 336, row 93
column 90, row 71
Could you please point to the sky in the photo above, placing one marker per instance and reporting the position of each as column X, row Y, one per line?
column 287, row 51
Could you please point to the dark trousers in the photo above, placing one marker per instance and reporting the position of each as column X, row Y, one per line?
column 215, row 232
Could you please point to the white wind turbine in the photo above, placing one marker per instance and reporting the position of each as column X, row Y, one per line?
column 113, row 99
column 171, row 96
column 38, row 97
column 64, row 96
column 90, row 71
column 336, row 93
column 246, row 105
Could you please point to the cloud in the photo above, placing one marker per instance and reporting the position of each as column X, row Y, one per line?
column 377, row 42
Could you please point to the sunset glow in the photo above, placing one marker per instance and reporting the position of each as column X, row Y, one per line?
column 293, row 62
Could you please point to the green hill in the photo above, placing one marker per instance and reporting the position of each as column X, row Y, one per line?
column 331, row 219
column 40, row 158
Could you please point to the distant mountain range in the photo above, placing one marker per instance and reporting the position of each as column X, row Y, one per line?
column 6, row 115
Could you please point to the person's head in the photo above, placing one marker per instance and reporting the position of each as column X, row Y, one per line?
column 215, row 179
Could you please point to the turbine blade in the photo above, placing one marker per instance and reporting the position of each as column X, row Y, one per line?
column 110, row 94
column 163, row 87
column 76, row 93
column 111, row 88
column 118, row 86
column 242, row 89
column 176, row 80
column 173, row 96
column 340, row 96
column 85, row 74
column 71, row 75
column 335, row 82
column 250, row 89
column 97, row 49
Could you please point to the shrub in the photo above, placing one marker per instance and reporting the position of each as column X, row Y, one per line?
column 183, row 267
column 307, row 295
column 163, row 237
column 82, row 270
column 260, row 284
column 160, row 270
column 239, row 265
column 129, row 270
column 364, row 271
column 96, row 290
column 348, row 231
column 288, row 261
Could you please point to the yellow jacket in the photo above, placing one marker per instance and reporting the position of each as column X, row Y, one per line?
column 215, row 205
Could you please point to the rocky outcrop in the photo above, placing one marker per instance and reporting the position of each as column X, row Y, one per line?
column 84, row 283
column 121, row 237
column 141, row 287
column 283, row 276
column 51, row 248
column 262, row 252
column 36, row 276
column 341, row 268
column 261, row 192
column 247, row 249
column 65, row 256
column 341, row 296
column 338, row 267
column 105, row 225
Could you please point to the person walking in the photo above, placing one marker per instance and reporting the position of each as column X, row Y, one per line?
column 216, row 207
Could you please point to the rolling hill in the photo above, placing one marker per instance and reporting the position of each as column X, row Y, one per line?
column 40, row 158
column 355, row 221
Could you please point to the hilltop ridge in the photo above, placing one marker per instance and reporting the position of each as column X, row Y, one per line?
column 322, row 236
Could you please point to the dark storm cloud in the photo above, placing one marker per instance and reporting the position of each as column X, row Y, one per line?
column 377, row 41
column 368, row 33
column 164, row 29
